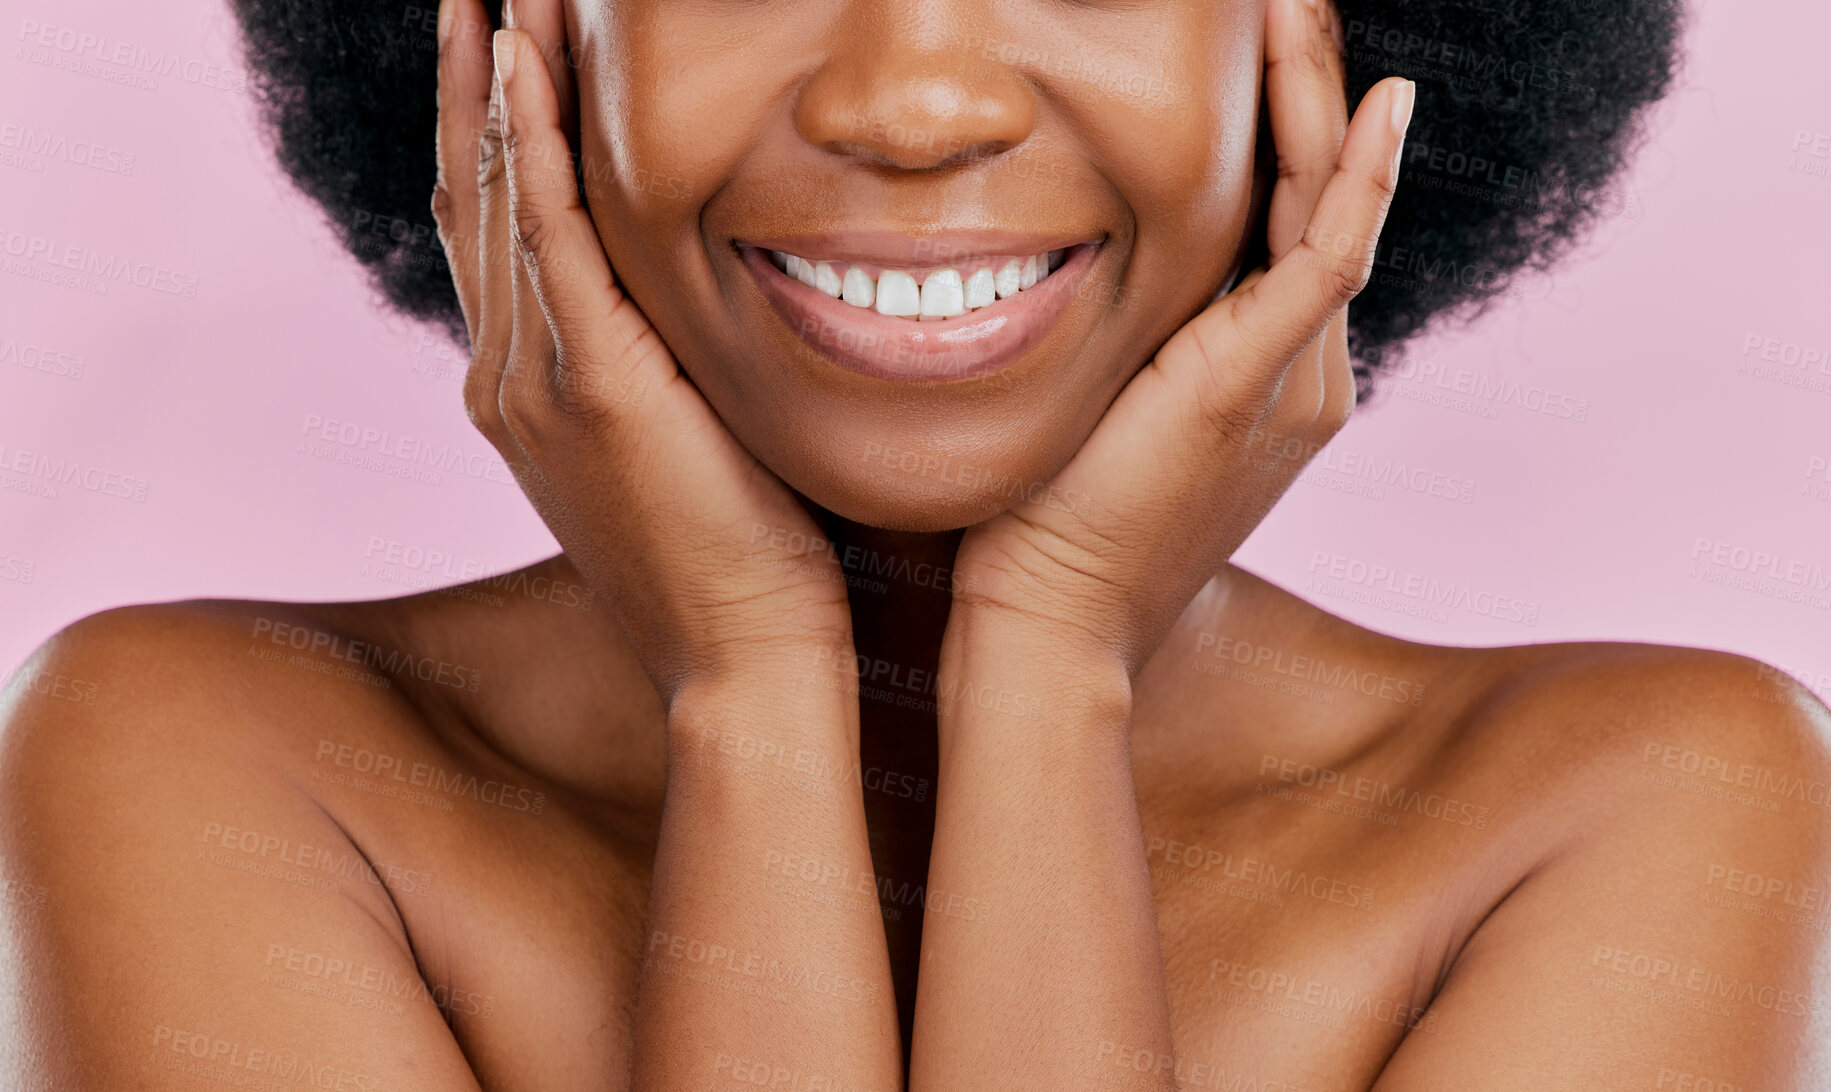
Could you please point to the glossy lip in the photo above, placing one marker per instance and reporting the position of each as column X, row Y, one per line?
column 965, row 347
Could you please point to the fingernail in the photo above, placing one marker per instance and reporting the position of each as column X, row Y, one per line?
column 503, row 45
column 1402, row 99
column 446, row 18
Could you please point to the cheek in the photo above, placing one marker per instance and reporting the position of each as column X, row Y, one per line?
column 631, row 169
column 1187, row 162
column 673, row 119
column 1187, row 175
column 1169, row 121
column 650, row 160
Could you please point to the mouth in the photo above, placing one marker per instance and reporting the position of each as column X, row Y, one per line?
column 919, row 310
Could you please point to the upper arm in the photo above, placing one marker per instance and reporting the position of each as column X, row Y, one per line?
column 1679, row 940
column 164, row 907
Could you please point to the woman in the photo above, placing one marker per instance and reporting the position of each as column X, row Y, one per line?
column 899, row 736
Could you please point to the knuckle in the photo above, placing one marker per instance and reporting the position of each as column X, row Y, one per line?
column 1234, row 417
column 519, row 409
column 442, row 208
column 533, row 231
column 483, row 408
column 525, row 153
column 492, row 168
column 1336, row 410
column 1295, row 416
column 1313, row 164
column 583, row 392
column 1342, row 264
column 1344, row 278
column 1315, row 52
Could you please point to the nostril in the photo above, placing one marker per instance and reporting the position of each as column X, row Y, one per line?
column 916, row 150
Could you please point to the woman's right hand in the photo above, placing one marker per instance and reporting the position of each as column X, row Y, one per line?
column 670, row 520
column 678, row 527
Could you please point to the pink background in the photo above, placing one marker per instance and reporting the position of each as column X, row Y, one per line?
column 1596, row 524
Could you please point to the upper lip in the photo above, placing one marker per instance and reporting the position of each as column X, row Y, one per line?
column 910, row 252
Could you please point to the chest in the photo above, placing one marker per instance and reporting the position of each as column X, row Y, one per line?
column 1299, row 950
column 1301, row 944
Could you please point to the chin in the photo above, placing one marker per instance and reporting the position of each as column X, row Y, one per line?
column 894, row 462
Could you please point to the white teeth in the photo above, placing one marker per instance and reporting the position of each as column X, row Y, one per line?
column 860, row 289
column 980, row 290
column 897, row 294
column 942, row 295
column 1009, row 279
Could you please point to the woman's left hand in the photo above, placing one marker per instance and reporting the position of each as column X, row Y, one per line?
column 1172, row 483
column 1037, row 817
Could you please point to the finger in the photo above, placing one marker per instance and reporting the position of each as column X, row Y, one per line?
column 603, row 346
column 463, row 106
column 532, row 347
column 1340, row 394
column 1305, row 101
column 493, row 277
column 545, row 22
column 1255, row 334
column 1306, row 97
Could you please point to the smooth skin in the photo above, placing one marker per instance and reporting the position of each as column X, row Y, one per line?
column 641, row 852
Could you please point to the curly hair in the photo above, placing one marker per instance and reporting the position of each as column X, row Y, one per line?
column 1526, row 111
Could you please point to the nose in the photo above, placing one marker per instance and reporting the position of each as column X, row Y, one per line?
column 906, row 85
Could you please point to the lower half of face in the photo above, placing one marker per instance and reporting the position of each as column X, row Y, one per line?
column 911, row 255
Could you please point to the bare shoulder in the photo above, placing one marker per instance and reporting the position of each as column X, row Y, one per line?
column 1668, row 919
column 212, row 684
column 1564, row 730
column 180, row 652
column 132, row 744
column 1606, row 727
column 1651, row 887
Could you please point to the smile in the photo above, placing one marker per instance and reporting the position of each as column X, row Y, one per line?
column 899, row 314
column 943, row 293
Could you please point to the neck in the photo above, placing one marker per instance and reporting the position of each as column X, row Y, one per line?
column 901, row 585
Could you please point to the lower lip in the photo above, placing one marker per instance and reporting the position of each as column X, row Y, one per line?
column 963, row 347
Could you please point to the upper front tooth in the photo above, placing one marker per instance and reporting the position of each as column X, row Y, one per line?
column 1009, row 278
column 859, row 289
column 981, row 288
column 897, row 294
column 942, row 295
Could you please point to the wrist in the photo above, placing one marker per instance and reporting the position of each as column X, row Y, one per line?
column 1002, row 669
column 741, row 677
column 783, row 720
